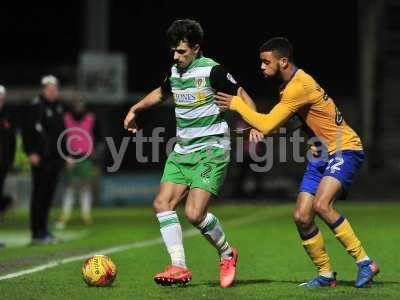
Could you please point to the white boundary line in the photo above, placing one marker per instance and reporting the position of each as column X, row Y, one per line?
column 142, row 244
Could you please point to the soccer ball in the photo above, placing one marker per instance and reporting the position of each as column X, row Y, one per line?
column 99, row 270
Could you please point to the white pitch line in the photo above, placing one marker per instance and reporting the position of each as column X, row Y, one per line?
column 142, row 244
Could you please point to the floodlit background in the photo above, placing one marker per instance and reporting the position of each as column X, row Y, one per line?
column 114, row 52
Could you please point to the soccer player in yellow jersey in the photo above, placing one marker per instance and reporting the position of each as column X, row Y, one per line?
column 327, row 177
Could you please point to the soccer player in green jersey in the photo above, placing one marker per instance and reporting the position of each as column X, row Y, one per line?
column 197, row 166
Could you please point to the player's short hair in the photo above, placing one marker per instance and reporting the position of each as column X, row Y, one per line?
column 280, row 46
column 186, row 30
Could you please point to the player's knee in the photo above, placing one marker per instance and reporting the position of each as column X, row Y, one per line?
column 160, row 204
column 194, row 217
column 321, row 208
column 302, row 219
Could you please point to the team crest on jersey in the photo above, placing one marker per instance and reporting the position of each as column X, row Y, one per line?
column 200, row 82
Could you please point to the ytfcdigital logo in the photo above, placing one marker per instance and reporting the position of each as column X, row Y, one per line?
column 75, row 144
column 79, row 146
column 262, row 161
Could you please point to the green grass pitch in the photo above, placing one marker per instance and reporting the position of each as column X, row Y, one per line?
column 271, row 263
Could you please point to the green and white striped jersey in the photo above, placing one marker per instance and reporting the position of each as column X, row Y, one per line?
column 199, row 121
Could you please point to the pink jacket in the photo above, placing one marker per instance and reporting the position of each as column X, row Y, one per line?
column 80, row 138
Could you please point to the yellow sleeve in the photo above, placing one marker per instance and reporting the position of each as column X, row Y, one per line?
column 294, row 96
column 266, row 123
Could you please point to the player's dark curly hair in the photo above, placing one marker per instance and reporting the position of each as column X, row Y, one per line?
column 186, row 30
column 280, row 46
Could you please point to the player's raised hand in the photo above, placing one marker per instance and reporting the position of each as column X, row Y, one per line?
column 223, row 100
column 255, row 135
column 129, row 122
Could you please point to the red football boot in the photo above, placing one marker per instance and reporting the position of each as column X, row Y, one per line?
column 173, row 275
column 227, row 269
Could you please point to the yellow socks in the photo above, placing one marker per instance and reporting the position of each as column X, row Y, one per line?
column 315, row 246
column 345, row 234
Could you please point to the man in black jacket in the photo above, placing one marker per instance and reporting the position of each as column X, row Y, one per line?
column 7, row 147
column 44, row 127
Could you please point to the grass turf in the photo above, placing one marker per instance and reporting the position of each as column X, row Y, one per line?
column 271, row 260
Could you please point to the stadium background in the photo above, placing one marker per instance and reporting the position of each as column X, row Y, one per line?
column 114, row 51
column 352, row 48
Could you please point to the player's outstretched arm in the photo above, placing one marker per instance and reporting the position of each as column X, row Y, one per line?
column 266, row 123
column 149, row 100
column 246, row 98
column 254, row 135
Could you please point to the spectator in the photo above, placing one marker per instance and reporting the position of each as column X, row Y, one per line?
column 7, row 150
column 7, row 147
column 45, row 123
column 85, row 145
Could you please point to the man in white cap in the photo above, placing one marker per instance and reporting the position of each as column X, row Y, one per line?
column 7, row 148
column 44, row 126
